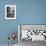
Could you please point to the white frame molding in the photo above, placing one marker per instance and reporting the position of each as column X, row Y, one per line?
column 6, row 11
column 18, row 33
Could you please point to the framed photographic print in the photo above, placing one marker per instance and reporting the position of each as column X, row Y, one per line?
column 33, row 32
column 10, row 11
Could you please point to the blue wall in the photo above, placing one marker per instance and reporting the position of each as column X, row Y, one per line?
column 27, row 12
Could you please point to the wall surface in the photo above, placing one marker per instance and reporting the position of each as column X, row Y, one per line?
column 6, row 26
column 27, row 12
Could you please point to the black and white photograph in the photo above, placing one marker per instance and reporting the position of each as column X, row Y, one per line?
column 29, row 34
column 10, row 11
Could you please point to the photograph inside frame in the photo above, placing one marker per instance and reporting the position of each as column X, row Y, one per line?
column 10, row 11
column 32, row 32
